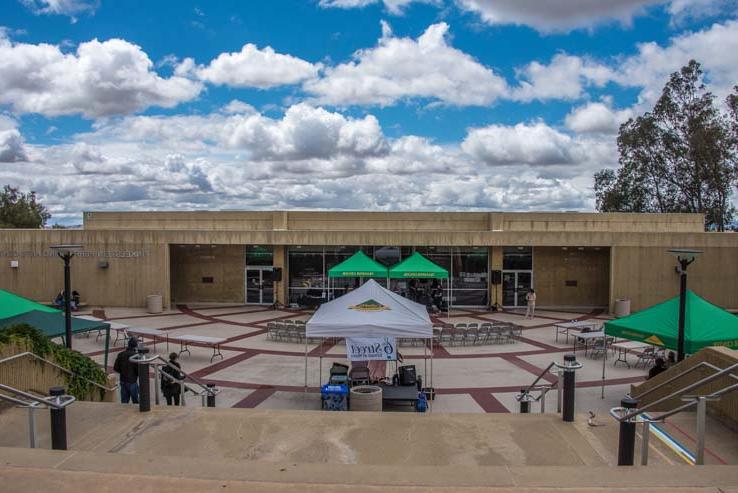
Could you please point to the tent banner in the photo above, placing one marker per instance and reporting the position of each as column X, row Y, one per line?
column 371, row 348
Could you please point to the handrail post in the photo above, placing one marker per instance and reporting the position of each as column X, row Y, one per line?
column 543, row 400
column 32, row 425
column 144, row 386
column 183, row 393
column 701, row 417
column 211, row 395
column 569, row 386
column 626, row 439
column 559, row 393
column 157, row 368
column 58, row 421
column 524, row 399
column 644, row 442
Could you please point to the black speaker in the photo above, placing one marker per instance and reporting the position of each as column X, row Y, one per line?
column 496, row 277
column 277, row 274
column 407, row 375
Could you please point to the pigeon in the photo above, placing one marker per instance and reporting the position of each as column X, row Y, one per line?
column 592, row 420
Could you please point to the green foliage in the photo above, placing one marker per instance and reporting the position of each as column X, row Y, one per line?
column 21, row 210
column 680, row 157
column 83, row 367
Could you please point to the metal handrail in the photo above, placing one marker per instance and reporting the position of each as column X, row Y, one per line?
column 65, row 370
column 209, row 390
column 678, row 393
column 55, row 402
column 702, row 364
column 538, row 379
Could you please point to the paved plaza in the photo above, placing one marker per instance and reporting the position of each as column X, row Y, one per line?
column 256, row 372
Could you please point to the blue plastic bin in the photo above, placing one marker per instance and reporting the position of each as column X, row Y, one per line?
column 334, row 397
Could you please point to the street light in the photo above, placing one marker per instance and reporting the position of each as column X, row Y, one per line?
column 685, row 257
column 66, row 252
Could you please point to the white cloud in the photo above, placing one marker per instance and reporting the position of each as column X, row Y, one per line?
column 564, row 15
column 11, row 147
column 597, row 118
column 70, row 8
column 682, row 11
column 100, row 79
column 404, row 68
column 534, row 144
column 254, row 67
column 395, row 7
column 564, row 78
column 714, row 47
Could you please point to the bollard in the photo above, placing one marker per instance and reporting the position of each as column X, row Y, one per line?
column 626, row 440
column 211, row 396
column 58, row 422
column 569, row 387
column 524, row 400
column 144, row 387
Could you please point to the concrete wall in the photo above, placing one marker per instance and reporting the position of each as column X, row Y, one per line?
column 31, row 375
column 395, row 221
column 726, row 409
column 225, row 264
column 588, row 267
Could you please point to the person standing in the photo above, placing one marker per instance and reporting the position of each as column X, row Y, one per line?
column 530, row 298
column 169, row 387
column 128, row 371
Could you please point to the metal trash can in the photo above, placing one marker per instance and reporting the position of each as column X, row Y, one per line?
column 154, row 303
column 622, row 308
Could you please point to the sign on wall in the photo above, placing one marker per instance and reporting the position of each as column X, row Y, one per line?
column 371, row 348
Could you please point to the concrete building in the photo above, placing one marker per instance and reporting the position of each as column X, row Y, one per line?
column 582, row 260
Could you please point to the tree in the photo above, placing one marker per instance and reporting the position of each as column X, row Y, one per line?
column 679, row 157
column 21, row 210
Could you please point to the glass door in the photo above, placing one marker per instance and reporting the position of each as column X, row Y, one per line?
column 515, row 285
column 259, row 285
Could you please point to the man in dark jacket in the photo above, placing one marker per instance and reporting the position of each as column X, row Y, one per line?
column 128, row 373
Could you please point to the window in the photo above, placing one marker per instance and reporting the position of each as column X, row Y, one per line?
column 259, row 255
column 517, row 258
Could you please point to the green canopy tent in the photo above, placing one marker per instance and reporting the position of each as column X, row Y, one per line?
column 15, row 310
column 416, row 266
column 357, row 265
column 704, row 325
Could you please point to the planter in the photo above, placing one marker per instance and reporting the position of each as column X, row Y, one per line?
column 622, row 308
column 154, row 303
column 366, row 398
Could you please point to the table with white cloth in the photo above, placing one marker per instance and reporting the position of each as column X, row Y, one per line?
column 575, row 326
column 623, row 347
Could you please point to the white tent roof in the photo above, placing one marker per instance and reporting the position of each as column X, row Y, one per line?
column 370, row 311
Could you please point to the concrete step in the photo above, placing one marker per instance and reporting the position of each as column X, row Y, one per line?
column 24, row 470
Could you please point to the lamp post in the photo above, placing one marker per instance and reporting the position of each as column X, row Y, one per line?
column 685, row 257
column 66, row 252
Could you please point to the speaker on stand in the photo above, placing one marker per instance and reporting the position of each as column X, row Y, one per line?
column 496, row 281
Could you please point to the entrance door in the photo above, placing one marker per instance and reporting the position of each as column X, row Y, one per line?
column 515, row 285
column 259, row 285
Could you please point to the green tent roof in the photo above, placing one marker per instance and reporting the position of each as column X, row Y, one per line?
column 12, row 305
column 358, row 265
column 704, row 325
column 417, row 266
column 52, row 324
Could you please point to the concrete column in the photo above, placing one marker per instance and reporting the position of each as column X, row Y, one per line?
column 495, row 263
column 279, row 259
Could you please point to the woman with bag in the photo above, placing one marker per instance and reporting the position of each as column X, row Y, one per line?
column 171, row 388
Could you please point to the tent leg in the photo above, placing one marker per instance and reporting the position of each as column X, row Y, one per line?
column 107, row 347
column 604, row 358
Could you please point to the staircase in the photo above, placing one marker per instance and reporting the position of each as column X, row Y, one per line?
column 200, row 449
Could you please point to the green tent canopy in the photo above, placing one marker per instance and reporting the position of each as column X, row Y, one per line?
column 358, row 265
column 417, row 266
column 704, row 325
column 12, row 305
column 52, row 324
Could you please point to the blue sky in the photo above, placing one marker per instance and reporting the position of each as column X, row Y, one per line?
column 345, row 104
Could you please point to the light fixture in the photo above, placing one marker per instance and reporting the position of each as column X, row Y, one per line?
column 684, row 256
column 66, row 252
column 13, row 264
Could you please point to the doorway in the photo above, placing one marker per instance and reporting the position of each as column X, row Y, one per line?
column 515, row 285
column 259, row 285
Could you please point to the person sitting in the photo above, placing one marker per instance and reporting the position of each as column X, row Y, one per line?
column 75, row 301
column 59, row 300
column 657, row 368
column 670, row 359
column 171, row 389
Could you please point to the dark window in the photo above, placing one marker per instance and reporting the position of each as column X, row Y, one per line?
column 571, row 284
column 207, row 280
column 517, row 258
column 259, row 255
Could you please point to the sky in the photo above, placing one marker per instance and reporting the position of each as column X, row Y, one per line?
column 501, row 105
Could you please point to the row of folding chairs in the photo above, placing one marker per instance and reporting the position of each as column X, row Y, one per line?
column 288, row 331
column 480, row 334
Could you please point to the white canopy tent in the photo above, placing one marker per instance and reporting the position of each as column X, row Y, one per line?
column 370, row 311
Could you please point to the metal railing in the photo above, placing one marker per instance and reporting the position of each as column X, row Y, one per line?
column 525, row 395
column 33, row 402
column 638, row 415
column 60, row 368
column 159, row 363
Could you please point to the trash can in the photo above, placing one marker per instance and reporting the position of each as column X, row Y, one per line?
column 334, row 397
column 154, row 303
column 622, row 308
column 366, row 398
